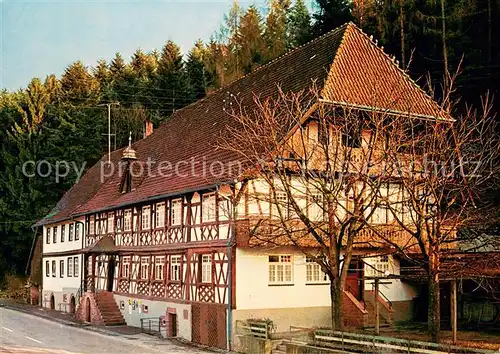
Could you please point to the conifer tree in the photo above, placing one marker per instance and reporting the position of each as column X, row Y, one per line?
column 251, row 44
column 298, row 25
column 331, row 14
column 275, row 31
column 196, row 72
column 78, row 85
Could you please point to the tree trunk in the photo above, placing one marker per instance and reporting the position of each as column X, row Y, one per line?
column 402, row 33
column 434, row 315
column 336, row 303
column 445, row 50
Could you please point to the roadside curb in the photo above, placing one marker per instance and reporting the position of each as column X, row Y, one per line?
column 84, row 326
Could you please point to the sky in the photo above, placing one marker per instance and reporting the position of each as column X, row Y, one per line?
column 42, row 37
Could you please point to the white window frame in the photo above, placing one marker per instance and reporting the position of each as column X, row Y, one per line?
column 54, row 271
column 54, row 234
column 125, row 271
column 314, row 273
column 159, row 267
column 175, row 268
column 61, row 268
column 282, row 203
column 111, row 222
column 146, row 218
column 379, row 266
column 76, row 268
column 280, row 266
column 208, row 206
column 91, row 225
column 70, row 266
column 47, row 269
column 77, row 231
column 47, row 235
column 144, row 270
column 127, row 220
column 176, row 212
column 316, row 207
column 63, row 232
column 71, row 230
column 160, row 215
column 206, row 268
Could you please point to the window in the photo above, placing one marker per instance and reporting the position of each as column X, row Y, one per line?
column 208, row 207
column 280, row 269
column 111, row 222
column 316, row 208
column 54, row 234
column 47, row 269
column 159, row 264
column 70, row 266
column 70, row 232
column 54, row 269
column 281, row 205
column 160, row 215
column 77, row 231
column 314, row 274
column 47, row 236
column 146, row 217
column 75, row 266
column 352, row 138
column 91, row 226
column 206, row 268
column 176, row 212
column 61, row 268
column 63, row 231
column 323, row 134
column 175, row 268
column 118, row 224
column 145, row 268
column 126, row 267
column 127, row 220
column 379, row 267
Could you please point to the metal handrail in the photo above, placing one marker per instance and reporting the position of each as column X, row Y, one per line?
column 382, row 295
column 151, row 325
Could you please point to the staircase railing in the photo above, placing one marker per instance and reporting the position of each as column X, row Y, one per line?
column 383, row 296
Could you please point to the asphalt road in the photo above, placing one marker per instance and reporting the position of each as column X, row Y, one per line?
column 23, row 333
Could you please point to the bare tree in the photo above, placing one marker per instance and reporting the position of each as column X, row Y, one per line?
column 446, row 167
column 315, row 171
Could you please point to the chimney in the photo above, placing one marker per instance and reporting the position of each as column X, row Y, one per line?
column 148, row 128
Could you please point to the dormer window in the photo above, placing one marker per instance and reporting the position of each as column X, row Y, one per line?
column 208, row 207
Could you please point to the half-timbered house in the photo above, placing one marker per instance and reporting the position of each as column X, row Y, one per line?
column 161, row 237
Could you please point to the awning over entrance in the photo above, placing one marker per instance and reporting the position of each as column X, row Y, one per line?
column 105, row 245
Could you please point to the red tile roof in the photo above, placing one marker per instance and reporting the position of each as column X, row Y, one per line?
column 359, row 69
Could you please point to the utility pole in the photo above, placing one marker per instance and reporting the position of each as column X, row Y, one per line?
column 109, row 126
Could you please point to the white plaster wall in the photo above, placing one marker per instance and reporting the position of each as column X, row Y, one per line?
column 254, row 292
column 58, row 284
column 132, row 313
column 393, row 289
column 66, row 245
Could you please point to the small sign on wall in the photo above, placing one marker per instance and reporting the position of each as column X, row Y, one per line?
column 122, row 305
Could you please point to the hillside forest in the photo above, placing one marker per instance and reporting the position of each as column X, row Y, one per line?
column 63, row 118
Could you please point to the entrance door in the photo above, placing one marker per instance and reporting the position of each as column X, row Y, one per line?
column 72, row 304
column 354, row 281
column 111, row 274
column 172, row 321
column 87, row 310
column 52, row 302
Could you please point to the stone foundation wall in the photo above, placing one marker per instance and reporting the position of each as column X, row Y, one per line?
column 62, row 299
column 88, row 310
